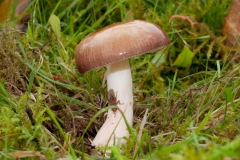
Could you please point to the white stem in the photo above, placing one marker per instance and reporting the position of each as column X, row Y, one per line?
column 114, row 129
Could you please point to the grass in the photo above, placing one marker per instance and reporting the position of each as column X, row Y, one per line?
column 193, row 111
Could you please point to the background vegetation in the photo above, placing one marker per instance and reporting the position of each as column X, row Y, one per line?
column 193, row 103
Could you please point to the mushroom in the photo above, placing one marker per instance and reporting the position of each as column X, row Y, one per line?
column 112, row 46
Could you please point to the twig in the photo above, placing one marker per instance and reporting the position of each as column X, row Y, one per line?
column 30, row 115
column 33, row 121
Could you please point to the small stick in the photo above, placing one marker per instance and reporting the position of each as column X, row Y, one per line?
column 30, row 115
column 33, row 121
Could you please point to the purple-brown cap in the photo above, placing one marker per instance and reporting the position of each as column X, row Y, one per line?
column 118, row 42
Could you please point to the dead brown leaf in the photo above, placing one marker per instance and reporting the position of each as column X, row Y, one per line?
column 231, row 26
column 22, row 154
column 6, row 10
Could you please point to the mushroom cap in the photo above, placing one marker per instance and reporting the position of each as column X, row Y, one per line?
column 117, row 42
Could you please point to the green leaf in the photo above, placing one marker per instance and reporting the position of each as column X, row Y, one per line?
column 116, row 152
column 129, row 16
column 55, row 24
column 184, row 59
column 159, row 58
